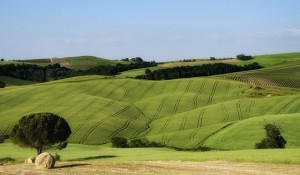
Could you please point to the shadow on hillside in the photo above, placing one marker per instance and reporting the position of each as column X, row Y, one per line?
column 93, row 158
column 71, row 165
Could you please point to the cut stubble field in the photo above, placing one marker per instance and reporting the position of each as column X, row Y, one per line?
column 157, row 167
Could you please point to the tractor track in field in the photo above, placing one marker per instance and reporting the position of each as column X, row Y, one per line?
column 147, row 90
column 6, row 131
column 176, row 86
column 173, row 113
column 225, row 112
column 159, row 108
column 195, row 99
column 226, row 91
column 188, row 86
column 212, row 134
column 248, row 109
column 73, row 97
column 144, row 127
column 239, row 111
column 125, row 125
column 284, row 108
column 162, row 89
column 210, row 98
column 116, row 88
column 91, row 130
column 183, row 123
column 91, row 116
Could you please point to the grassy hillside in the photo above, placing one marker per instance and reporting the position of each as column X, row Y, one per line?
column 182, row 113
column 9, row 81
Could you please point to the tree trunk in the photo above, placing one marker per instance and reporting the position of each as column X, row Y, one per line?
column 39, row 151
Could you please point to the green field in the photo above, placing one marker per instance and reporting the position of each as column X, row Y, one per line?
column 75, row 152
column 181, row 113
column 9, row 81
column 220, row 112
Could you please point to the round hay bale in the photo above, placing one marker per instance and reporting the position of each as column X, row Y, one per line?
column 30, row 160
column 44, row 161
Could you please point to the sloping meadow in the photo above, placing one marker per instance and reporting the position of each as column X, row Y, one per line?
column 183, row 113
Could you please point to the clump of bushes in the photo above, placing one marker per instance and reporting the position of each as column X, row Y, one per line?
column 273, row 138
column 3, row 137
column 6, row 160
column 2, row 84
column 120, row 142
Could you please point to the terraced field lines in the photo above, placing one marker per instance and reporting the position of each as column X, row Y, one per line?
column 116, row 88
column 86, row 135
column 91, row 116
column 200, row 118
column 248, row 109
column 76, row 100
column 226, row 91
column 183, row 123
column 283, row 109
column 159, row 108
column 225, row 112
column 125, row 125
column 176, row 86
column 83, row 108
column 147, row 90
column 7, row 130
column 212, row 93
column 239, row 111
column 173, row 113
column 163, row 88
column 195, row 99
column 188, row 86
column 144, row 127
column 212, row 134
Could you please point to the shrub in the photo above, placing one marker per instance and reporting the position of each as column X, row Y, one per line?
column 2, row 84
column 273, row 138
column 119, row 142
column 6, row 160
column 143, row 143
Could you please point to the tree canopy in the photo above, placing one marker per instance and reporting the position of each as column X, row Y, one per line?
column 40, row 130
column 273, row 138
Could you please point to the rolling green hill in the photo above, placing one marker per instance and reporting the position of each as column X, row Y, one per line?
column 182, row 113
column 217, row 111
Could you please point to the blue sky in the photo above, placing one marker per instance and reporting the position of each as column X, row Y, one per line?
column 152, row 29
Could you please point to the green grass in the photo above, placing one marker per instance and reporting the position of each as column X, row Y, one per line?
column 278, row 76
column 10, row 81
column 75, row 152
column 99, row 108
column 86, row 62
column 216, row 111
column 233, row 136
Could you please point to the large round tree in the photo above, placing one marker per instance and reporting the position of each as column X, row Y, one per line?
column 40, row 130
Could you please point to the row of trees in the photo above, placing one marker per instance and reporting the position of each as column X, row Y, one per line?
column 53, row 72
column 244, row 57
column 195, row 71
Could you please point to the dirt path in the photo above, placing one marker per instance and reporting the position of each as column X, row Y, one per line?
column 149, row 168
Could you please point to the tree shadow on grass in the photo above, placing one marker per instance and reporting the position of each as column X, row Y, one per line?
column 93, row 158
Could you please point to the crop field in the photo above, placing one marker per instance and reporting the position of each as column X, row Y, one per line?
column 184, row 113
column 14, row 81
column 284, row 76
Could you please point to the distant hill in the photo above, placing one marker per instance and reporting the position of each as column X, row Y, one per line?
column 79, row 62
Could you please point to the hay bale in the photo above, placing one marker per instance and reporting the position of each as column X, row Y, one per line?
column 30, row 160
column 44, row 161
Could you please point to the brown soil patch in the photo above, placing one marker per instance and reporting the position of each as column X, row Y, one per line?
column 157, row 167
